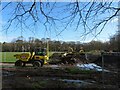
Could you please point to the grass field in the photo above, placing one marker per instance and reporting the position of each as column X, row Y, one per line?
column 9, row 56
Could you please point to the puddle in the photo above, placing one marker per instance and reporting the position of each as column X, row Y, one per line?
column 82, row 82
column 91, row 66
column 72, row 81
column 55, row 66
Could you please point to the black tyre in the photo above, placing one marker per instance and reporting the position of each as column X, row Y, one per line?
column 42, row 62
column 18, row 63
column 37, row 64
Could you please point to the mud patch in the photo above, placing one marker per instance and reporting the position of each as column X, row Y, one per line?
column 50, row 77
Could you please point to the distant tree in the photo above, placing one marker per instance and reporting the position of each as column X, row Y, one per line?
column 118, row 41
column 6, row 47
column 0, row 47
column 38, row 42
column 94, row 45
column 115, row 42
column 19, row 44
column 57, row 46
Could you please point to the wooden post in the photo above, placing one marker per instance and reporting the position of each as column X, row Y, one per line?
column 102, row 68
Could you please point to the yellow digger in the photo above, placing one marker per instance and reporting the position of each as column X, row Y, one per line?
column 37, row 58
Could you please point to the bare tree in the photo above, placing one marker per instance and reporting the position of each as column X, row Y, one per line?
column 91, row 16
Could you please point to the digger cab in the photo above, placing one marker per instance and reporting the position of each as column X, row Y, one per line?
column 41, row 52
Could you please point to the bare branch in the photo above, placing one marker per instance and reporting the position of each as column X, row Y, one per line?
column 5, row 6
column 86, row 15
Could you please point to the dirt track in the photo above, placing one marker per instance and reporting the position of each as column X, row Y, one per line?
column 54, row 76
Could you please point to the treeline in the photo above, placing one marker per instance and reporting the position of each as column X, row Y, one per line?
column 20, row 45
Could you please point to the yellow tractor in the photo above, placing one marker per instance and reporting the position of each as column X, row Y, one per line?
column 37, row 58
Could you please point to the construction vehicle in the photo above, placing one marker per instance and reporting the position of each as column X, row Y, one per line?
column 38, row 58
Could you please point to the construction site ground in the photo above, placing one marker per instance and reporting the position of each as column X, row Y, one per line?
column 56, row 76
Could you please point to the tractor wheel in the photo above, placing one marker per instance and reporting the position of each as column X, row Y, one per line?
column 37, row 64
column 42, row 62
column 18, row 63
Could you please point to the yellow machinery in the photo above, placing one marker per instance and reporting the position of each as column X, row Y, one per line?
column 37, row 58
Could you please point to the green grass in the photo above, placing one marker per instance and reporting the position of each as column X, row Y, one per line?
column 9, row 56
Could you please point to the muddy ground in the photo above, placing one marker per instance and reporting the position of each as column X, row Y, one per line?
column 56, row 76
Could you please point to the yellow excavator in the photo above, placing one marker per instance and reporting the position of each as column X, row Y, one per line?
column 37, row 58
